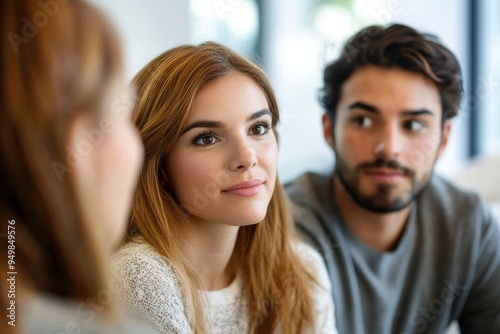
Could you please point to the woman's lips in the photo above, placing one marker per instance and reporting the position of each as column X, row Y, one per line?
column 245, row 189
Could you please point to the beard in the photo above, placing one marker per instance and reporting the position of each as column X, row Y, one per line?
column 385, row 198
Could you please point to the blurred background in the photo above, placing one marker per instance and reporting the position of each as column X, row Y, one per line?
column 294, row 39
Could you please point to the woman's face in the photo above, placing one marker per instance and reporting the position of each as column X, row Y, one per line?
column 108, row 170
column 223, row 167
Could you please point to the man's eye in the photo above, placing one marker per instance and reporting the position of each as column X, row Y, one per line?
column 363, row 121
column 414, row 125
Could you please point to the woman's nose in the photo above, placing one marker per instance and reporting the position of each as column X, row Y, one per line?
column 243, row 155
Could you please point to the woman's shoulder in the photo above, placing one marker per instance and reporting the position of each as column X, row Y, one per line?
column 139, row 261
column 138, row 256
column 137, row 250
column 308, row 254
column 314, row 263
column 149, row 288
column 321, row 293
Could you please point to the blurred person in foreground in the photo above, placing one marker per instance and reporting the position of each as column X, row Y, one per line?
column 406, row 250
column 70, row 159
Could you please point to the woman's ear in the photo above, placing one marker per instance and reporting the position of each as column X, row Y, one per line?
column 163, row 176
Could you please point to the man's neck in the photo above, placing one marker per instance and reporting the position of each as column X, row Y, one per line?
column 380, row 232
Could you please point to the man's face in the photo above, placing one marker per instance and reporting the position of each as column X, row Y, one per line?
column 387, row 136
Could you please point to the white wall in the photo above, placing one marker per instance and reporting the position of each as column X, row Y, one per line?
column 147, row 27
column 294, row 64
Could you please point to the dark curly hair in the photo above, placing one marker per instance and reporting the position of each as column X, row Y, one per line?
column 396, row 46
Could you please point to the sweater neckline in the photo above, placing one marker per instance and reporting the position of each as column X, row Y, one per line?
column 224, row 295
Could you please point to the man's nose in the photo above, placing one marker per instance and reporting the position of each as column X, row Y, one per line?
column 389, row 142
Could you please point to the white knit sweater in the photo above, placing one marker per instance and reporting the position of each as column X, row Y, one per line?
column 149, row 287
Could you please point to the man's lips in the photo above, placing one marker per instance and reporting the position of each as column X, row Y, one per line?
column 246, row 188
column 384, row 174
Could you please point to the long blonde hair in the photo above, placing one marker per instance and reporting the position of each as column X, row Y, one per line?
column 56, row 60
column 278, row 284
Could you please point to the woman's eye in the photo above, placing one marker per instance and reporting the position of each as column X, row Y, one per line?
column 363, row 121
column 260, row 129
column 205, row 140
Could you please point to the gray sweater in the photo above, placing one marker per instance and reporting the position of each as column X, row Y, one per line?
column 446, row 266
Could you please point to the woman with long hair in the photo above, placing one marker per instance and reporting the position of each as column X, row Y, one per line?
column 70, row 160
column 212, row 248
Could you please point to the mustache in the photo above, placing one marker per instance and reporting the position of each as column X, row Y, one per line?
column 392, row 164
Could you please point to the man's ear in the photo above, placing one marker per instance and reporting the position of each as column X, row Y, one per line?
column 444, row 137
column 328, row 130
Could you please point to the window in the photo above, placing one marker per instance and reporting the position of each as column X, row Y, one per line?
column 484, row 102
column 234, row 23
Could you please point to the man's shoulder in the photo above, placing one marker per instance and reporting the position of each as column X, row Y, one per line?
column 312, row 208
column 443, row 194
column 451, row 208
column 308, row 187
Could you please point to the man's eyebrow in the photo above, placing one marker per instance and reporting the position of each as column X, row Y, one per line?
column 418, row 112
column 373, row 109
column 259, row 114
column 364, row 106
column 203, row 124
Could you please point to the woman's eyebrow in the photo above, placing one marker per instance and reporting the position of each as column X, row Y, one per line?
column 259, row 114
column 217, row 124
column 203, row 124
